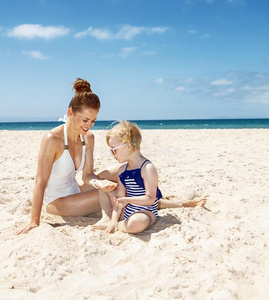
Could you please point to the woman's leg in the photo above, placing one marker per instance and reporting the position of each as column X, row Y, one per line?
column 80, row 204
column 84, row 203
column 137, row 222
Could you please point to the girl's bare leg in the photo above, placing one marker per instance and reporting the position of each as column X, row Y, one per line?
column 106, row 203
column 175, row 203
column 137, row 222
column 80, row 204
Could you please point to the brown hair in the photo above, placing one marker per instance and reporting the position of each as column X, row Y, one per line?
column 84, row 97
column 126, row 132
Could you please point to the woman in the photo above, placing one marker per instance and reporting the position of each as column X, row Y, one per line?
column 64, row 151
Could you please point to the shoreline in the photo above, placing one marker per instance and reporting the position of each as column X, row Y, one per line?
column 254, row 123
column 221, row 253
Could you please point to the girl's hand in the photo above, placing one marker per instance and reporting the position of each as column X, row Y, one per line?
column 27, row 228
column 112, row 227
column 121, row 201
column 106, row 185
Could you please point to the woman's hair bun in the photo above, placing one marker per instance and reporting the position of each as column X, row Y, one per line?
column 81, row 85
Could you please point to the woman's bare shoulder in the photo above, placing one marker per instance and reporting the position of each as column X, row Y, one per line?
column 54, row 136
column 89, row 139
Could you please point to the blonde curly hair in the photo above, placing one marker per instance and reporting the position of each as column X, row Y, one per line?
column 126, row 132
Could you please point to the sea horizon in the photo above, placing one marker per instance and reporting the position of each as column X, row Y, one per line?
column 220, row 123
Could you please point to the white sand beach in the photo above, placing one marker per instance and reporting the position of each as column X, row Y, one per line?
column 190, row 253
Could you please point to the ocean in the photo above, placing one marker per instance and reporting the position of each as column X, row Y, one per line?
column 151, row 124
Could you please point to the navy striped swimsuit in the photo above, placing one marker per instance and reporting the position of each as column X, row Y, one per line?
column 134, row 184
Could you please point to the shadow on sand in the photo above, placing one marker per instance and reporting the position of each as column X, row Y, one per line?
column 162, row 223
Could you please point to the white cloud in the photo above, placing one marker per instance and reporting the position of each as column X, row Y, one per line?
column 100, row 34
column 258, row 97
column 127, row 32
column 31, row 31
column 256, row 88
column 202, row 36
column 188, row 80
column 159, row 80
column 234, row 1
column 221, row 82
column 148, row 52
column 246, row 88
column 156, row 30
column 192, row 31
column 180, row 88
column 126, row 51
column 36, row 55
column 205, row 36
column 224, row 92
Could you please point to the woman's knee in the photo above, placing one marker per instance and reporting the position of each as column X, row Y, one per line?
column 52, row 209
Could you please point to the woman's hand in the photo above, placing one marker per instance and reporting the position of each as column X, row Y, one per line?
column 106, row 185
column 27, row 228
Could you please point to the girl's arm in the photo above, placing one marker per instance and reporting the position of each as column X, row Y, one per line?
column 47, row 153
column 117, row 207
column 116, row 213
column 88, row 175
column 150, row 177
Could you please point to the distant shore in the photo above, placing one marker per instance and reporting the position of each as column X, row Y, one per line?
column 152, row 124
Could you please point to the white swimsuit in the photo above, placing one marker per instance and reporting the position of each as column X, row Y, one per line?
column 62, row 181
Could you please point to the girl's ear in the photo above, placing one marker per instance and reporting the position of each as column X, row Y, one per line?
column 131, row 150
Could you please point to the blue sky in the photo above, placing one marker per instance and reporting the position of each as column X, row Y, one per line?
column 145, row 59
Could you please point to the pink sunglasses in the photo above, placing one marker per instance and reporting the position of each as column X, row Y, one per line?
column 113, row 150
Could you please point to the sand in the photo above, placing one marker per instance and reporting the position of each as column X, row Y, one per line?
column 190, row 253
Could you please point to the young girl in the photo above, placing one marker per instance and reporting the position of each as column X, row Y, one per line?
column 135, row 206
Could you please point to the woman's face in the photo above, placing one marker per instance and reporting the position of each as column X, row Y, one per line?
column 84, row 120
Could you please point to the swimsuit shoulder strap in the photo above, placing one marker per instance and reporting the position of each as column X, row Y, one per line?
column 144, row 163
column 82, row 141
column 65, row 138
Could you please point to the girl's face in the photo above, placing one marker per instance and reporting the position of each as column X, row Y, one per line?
column 83, row 121
column 119, row 150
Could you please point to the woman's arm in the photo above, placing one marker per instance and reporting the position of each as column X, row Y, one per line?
column 88, row 175
column 47, row 153
column 150, row 177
